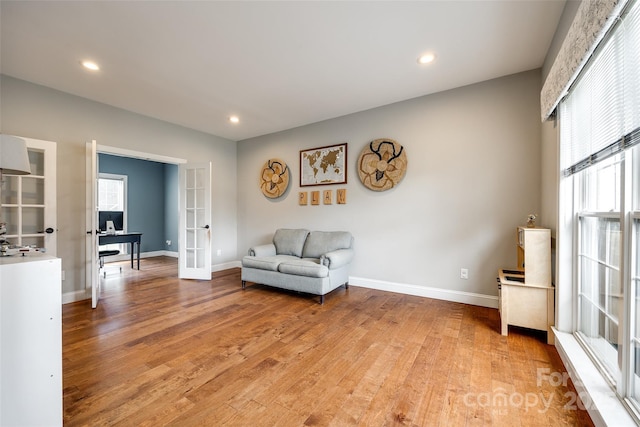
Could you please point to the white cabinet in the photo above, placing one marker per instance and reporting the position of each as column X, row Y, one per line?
column 534, row 255
column 30, row 341
column 526, row 296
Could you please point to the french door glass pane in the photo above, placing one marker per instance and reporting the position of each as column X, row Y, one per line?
column 36, row 161
column 10, row 216
column 32, row 190
column 190, row 261
column 32, row 220
column 37, row 241
column 10, row 190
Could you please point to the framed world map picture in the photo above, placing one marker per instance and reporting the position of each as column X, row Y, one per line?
column 323, row 165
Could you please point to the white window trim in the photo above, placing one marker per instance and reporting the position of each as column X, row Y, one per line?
column 122, row 247
column 125, row 179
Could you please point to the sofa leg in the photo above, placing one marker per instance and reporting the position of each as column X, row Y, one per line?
column 321, row 299
column 346, row 285
column 244, row 284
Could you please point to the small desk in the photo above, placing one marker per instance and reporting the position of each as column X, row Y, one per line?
column 528, row 306
column 133, row 238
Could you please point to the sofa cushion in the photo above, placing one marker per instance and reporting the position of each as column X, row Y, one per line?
column 320, row 242
column 303, row 268
column 265, row 263
column 290, row 242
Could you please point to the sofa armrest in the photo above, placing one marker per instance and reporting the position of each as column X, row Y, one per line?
column 263, row 250
column 338, row 258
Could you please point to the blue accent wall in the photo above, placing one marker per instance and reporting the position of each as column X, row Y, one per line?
column 171, row 206
column 152, row 194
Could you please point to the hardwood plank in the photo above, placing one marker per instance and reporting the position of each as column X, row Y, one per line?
column 163, row 351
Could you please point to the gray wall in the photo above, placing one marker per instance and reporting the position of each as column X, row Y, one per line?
column 38, row 112
column 171, row 207
column 473, row 176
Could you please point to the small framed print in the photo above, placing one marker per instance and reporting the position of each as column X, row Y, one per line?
column 315, row 197
column 341, row 196
column 302, row 198
column 326, row 196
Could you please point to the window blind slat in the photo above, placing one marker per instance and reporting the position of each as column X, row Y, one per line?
column 632, row 69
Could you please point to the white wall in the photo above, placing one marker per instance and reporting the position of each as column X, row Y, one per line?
column 473, row 175
column 38, row 112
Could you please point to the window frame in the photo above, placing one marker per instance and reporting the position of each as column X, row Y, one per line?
column 122, row 247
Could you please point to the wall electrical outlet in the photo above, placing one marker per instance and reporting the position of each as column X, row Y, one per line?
column 219, row 252
column 168, row 242
column 464, row 273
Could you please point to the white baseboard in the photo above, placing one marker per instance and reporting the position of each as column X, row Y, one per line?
column 226, row 266
column 74, row 296
column 126, row 257
column 481, row 300
column 171, row 254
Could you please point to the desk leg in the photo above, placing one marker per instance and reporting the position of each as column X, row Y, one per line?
column 131, row 250
column 138, row 244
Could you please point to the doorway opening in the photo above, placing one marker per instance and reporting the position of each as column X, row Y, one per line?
column 144, row 187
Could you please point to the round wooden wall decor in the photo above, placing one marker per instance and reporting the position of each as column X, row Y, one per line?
column 274, row 178
column 382, row 164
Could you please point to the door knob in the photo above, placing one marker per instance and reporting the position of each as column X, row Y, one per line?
column 206, row 226
column 49, row 230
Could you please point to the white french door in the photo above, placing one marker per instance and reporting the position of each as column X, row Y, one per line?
column 29, row 201
column 91, row 267
column 194, row 256
column 195, row 216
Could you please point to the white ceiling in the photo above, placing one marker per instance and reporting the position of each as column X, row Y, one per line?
column 277, row 65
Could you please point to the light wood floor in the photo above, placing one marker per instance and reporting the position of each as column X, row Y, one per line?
column 163, row 351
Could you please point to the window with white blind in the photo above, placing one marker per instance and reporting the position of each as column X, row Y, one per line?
column 600, row 160
column 112, row 196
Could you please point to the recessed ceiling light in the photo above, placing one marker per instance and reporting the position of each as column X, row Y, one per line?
column 234, row 119
column 90, row 65
column 426, row 58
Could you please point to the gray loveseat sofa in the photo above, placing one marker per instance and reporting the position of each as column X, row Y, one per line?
column 314, row 262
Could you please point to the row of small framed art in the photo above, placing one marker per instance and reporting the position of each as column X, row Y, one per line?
column 327, row 197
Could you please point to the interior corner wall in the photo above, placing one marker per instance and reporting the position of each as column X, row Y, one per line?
column 171, row 207
column 473, row 176
column 36, row 111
